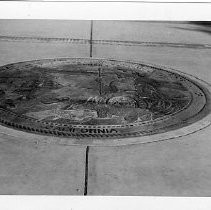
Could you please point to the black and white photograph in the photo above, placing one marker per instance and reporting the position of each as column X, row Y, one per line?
column 96, row 107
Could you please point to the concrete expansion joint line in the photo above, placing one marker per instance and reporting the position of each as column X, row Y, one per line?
column 86, row 171
column 102, row 42
column 91, row 38
column 87, row 148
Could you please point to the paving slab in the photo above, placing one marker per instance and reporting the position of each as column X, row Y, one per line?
column 12, row 52
column 176, row 167
column 40, row 169
column 22, row 40
column 191, row 61
column 151, row 31
column 34, row 168
column 46, row 28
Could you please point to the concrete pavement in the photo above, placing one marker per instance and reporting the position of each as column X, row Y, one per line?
column 27, row 167
column 176, row 167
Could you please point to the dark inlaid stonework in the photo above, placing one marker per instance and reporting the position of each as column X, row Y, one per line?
column 81, row 97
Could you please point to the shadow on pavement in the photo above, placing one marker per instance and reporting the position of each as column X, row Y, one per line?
column 197, row 26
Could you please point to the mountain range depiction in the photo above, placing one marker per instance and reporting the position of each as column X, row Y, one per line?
column 96, row 98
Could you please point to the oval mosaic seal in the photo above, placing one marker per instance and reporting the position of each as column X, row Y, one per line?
column 96, row 98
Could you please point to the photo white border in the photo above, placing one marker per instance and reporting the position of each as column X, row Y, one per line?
column 104, row 11
column 103, row 203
